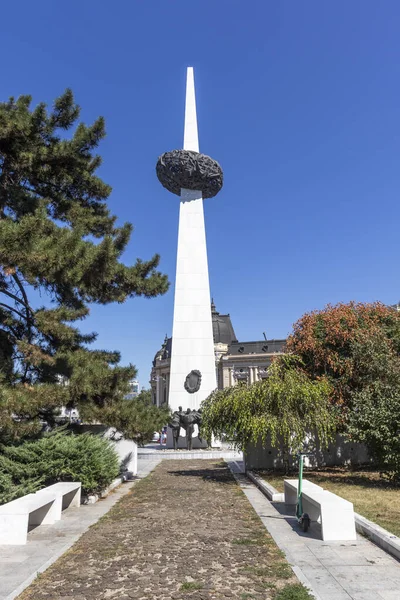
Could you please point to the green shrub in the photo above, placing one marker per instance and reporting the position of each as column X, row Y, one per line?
column 374, row 419
column 59, row 456
column 294, row 591
column 9, row 490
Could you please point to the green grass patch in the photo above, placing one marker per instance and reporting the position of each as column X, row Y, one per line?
column 294, row 591
column 243, row 541
column 191, row 586
column 249, row 541
column 268, row 585
column 279, row 570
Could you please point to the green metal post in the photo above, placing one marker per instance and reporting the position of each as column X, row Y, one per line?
column 300, row 488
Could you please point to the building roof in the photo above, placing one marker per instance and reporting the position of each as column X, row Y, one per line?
column 222, row 327
column 165, row 350
column 224, row 334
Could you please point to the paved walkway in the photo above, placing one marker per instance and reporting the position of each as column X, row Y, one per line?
column 334, row 570
column 186, row 531
column 20, row 565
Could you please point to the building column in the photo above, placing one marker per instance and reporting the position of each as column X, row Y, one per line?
column 251, row 375
column 167, row 386
column 158, row 389
column 255, row 376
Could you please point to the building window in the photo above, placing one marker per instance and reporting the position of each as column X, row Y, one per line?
column 241, row 375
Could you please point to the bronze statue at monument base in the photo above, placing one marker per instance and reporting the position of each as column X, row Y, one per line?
column 187, row 420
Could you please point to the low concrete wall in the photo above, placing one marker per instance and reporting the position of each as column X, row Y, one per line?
column 126, row 449
column 383, row 538
column 127, row 452
column 340, row 452
column 267, row 489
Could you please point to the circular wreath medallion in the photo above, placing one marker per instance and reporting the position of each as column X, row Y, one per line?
column 193, row 382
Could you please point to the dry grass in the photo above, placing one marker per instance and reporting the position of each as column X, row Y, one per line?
column 373, row 498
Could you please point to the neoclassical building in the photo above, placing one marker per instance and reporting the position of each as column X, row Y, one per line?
column 234, row 361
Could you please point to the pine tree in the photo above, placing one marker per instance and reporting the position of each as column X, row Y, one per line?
column 137, row 419
column 58, row 239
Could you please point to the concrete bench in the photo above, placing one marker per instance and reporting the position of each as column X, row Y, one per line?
column 67, row 493
column 16, row 517
column 291, row 487
column 335, row 514
column 42, row 508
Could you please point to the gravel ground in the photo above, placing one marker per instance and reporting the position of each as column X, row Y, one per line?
column 186, row 531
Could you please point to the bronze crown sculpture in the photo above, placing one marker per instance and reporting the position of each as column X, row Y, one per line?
column 186, row 169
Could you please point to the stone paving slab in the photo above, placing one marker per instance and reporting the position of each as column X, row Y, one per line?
column 223, row 453
column 186, row 531
column 20, row 565
column 192, row 455
column 333, row 570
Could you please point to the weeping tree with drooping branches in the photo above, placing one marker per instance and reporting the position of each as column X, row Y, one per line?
column 286, row 406
column 59, row 244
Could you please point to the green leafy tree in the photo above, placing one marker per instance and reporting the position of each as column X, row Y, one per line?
column 287, row 406
column 137, row 419
column 357, row 347
column 58, row 241
column 374, row 418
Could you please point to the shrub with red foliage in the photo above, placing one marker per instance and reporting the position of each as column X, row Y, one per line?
column 324, row 339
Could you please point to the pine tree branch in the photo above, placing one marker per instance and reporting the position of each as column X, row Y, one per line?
column 28, row 310
column 16, row 298
column 13, row 332
column 27, row 317
column 13, row 309
column 23, row 292
column 28, row 313
column 3, row 184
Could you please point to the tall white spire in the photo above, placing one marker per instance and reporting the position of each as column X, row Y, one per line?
column 192, row 333
column 191, row 136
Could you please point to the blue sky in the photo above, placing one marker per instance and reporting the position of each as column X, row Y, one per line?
column 298, row 101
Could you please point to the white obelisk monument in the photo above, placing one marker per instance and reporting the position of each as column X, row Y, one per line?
column 192, row 333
